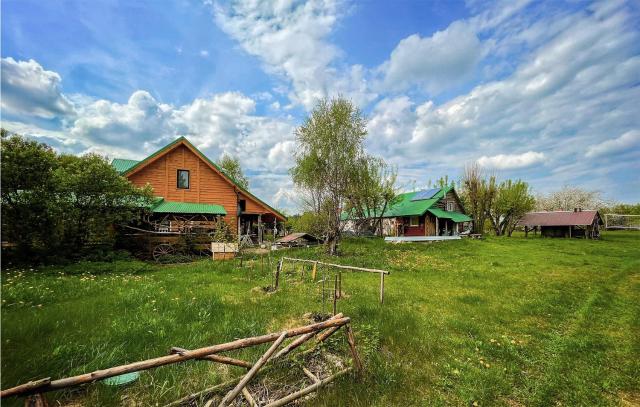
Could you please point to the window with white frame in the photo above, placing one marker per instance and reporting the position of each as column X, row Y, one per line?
column 451, row 206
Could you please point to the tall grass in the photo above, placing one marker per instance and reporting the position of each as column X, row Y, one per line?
column 504, row 321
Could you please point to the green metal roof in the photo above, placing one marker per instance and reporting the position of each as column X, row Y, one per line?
column 188, row 207
column 123, row 165
column 133, row 164
column 405, row 206
column 454, row 216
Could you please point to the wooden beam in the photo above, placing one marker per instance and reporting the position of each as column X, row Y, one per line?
column 354, row 353
column 248, row 397
column 294, row 396
column 47, row 385
column 252, row 372
column 310, row 375
column 218, row 358
column 340, row 266
column 302, row 339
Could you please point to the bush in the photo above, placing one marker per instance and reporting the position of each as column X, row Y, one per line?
column 62, row 206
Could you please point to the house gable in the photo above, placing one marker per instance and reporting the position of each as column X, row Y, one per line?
column 208, row 183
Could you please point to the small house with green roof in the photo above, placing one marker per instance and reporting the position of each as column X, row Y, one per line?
column 429, row 212
column 193, row 190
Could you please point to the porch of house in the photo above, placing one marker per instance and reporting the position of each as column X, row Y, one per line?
column 258, row 226
column 427, row 225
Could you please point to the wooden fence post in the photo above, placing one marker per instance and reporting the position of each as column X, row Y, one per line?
column 381, row 288
column 278, row 268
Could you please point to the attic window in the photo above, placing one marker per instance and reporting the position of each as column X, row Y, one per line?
column 183, row 179
column 451, row 206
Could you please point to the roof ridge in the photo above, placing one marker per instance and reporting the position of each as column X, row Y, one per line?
column 208, row 160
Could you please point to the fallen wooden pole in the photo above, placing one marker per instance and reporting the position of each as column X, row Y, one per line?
column 294, row 396
column 205, row 392
column 27, row 388
column 252, row 372
column 218, row 358
column 44, row 385
column 340, row 266
column 354, row 353
column 310, row 375
column 324, row 335
column 301, row 339
column 249, row 397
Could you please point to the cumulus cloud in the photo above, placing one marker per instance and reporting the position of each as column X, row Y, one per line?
column 436, row 62
column 30, row 90
column 141, row 120
column 578, row 86
column 222, row 123
column 291, row 40
column 511, row 161
column 625, row 142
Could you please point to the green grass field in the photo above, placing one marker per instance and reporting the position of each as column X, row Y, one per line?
column 503, row 321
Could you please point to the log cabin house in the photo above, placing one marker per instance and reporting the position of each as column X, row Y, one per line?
column 192, row 190
column 430, row 212
column 577, row 223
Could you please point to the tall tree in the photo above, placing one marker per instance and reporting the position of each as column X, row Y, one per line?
column 55, row 205
column 328, row 162
column 29, row 217
column 512, row 199
column 372, row 194
column 231, row 166
column 477, row 193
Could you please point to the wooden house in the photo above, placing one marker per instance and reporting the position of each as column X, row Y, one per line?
column 192, row 191
column 430, row 212
column 576, row 223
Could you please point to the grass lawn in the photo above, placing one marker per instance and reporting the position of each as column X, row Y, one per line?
column 503, row 321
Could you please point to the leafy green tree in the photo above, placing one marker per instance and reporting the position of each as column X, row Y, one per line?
column 29, row 213
column 231, row 166
column 307, row 222
column 477, row 193
column 512, row 199
column 58, row 204
column 329, row 157
column 373, row 193
column 94, row 197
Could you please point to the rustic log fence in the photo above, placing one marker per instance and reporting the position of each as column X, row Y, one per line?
column 178, row 355
column 338, row 284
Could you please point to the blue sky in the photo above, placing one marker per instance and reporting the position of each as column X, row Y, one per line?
column 543, row 91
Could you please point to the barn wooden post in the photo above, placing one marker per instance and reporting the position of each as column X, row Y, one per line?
column 260, row 228
column 437, row 227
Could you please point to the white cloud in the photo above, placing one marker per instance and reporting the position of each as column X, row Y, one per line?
column 511, row 161
column 204, row 53
column 625, row 142
column 290, row 37
column 28, row 89
column 576, row 86
column 434, row 63
column 141, row 120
